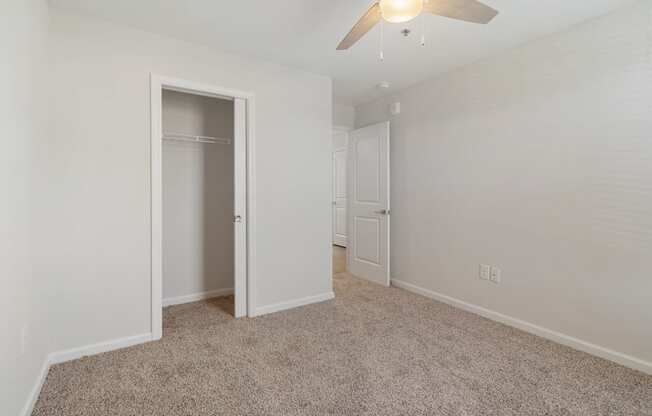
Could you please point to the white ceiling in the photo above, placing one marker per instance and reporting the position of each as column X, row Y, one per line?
column 304, row 34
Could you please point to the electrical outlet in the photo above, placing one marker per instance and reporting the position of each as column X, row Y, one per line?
column 485, row 272
column 495, row 275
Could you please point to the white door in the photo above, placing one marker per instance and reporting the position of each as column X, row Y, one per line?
column 240, row 205
column 368, row 184
column 339, row 188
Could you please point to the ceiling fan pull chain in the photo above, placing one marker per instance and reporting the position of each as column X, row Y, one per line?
column 423, row 29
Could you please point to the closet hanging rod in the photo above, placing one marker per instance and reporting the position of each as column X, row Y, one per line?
column 195, row 139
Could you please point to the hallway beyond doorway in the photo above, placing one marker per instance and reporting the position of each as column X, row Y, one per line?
column 339, row 259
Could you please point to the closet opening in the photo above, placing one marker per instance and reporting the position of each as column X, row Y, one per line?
column 199, row 188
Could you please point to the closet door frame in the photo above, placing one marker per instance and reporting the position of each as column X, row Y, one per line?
column 245, row 282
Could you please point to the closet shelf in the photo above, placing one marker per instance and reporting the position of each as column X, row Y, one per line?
column 195, row 139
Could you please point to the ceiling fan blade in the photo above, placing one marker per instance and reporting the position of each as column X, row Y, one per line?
column 363, row 26
column 467, row 10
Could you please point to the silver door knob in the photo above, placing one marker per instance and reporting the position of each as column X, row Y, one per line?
column 382, row 212
column 237, row 218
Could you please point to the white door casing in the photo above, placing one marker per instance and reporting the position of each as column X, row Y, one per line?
column 240, row 204
column 244, row 202
column 340, row 139
column 368, row 203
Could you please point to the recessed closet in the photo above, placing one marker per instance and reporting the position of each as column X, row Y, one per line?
column 197, row 197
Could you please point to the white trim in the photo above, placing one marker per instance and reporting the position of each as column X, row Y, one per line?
column 93, row 349
column 342, row 128
column 251, row 206
column 36, row 390
column 331, row 223
column 157, row 84
column 179, row 300
column 578, row 344
column 155, row 192
column 239, row 153
column 277, row 307
column 389, row 203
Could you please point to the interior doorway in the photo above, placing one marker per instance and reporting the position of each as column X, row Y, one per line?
column 361, row 202
column 339, row 162
column 201, row 142
column 198, row 198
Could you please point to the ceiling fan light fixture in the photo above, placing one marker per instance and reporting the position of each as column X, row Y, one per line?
column 399, row 11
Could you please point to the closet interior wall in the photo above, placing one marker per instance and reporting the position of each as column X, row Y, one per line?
column 198, row 197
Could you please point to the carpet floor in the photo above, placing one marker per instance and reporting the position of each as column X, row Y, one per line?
column 371, row 351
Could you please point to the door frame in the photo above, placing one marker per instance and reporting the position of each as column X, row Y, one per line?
column 158, row 83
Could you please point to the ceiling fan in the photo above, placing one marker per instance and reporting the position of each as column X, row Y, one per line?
column 398, row 11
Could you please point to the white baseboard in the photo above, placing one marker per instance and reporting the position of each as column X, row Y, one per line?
column 578, row 344
column 116, row 344
column 178, row 300
column 36, row 390
column 277, row 307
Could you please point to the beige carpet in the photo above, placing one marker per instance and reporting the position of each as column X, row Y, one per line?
column 371, row 351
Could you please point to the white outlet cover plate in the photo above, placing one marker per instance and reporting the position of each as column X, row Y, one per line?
column 495, row 275
column 485, row 272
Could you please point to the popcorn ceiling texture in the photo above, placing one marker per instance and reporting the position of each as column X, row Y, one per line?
column 371, row 351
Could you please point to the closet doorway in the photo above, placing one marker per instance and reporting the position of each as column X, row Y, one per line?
column 201, row 142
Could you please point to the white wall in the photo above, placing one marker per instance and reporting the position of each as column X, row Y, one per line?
column 99, row 157
column 538, row 161
column 343, row 115
column 197, row 196
column 23, row 29
column 340, row 139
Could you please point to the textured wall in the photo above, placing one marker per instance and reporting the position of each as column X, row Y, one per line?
column 100, row 159
column 538, row 161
